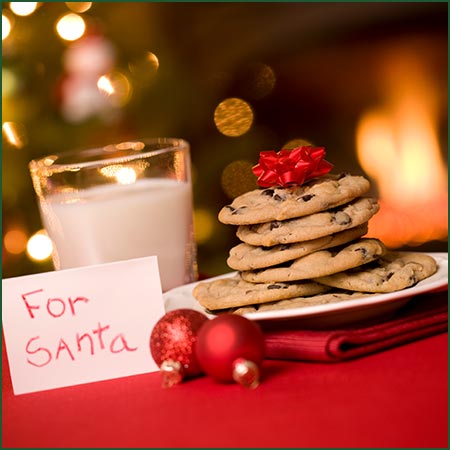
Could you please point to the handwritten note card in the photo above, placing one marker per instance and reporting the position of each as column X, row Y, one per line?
column 81, row 325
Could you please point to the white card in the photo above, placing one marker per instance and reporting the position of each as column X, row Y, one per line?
column 81, row 325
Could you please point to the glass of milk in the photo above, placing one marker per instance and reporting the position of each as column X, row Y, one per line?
column 121, row 201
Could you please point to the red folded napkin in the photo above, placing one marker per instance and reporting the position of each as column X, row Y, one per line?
column 423, row 316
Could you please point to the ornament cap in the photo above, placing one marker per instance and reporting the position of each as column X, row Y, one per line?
column 246, row 373
column 172, row 373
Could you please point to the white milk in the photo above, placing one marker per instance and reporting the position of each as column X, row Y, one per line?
column 117, row 222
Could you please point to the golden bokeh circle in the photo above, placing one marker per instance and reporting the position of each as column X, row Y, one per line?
column 261, row 81
column 204, row 224
column 238, row 178
column 233, row 117
column 295, row 143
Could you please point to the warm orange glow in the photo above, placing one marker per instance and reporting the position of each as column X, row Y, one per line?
column 398, row 148
column 15, row 241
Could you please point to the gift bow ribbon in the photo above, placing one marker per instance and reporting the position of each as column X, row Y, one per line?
column 290, row 167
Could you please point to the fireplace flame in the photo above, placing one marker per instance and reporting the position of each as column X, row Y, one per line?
column 397, row 146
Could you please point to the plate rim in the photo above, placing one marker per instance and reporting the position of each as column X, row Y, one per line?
column 436, row 281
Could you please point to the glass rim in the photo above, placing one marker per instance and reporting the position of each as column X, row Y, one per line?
column 137, row 146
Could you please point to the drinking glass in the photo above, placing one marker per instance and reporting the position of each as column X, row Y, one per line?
column 120, row 201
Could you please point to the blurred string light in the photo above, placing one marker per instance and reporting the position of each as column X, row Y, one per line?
column 14, row 133
column 104, row 84
column 10, row 84
column 233, row 117
column 15, row 241
column 126, row 175
column 145, row 67
column 123, row 174
column 238, row 178
column 39, row 246
column 260, row 81
column 204, row 223
column 117, row 88
column 70, row 27
column 6, row 27
column 79, row 7
column 23, row 8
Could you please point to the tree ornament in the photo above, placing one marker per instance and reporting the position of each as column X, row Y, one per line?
column 172, row 345
column 231, row 347
column 290, row 167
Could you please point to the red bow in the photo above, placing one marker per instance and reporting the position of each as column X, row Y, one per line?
column 290, row 167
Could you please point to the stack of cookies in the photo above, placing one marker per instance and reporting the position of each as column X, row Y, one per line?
column 304, row 245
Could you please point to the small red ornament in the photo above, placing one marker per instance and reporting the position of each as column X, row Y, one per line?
column 172, row 344
column 231, row 347
column 290, row 167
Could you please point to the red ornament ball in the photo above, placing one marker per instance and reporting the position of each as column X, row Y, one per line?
column 172, row 344
column 228, row 343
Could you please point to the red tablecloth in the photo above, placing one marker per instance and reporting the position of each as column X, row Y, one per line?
column 395, row 398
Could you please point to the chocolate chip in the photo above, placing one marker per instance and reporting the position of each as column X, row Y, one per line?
column 342, row 218
column 307, row 197
column 278, row 198
column 333, row 251
column 362, row 250
column 238, row 211
column 268, row 192
column 230, row 208
column 389, row 275
column 274, row 286
column 274, row 225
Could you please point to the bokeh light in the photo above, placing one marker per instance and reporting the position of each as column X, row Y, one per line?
column 126, row 175
column 14, row 133
column 15, row 241
column 105, row 85
column 71, row 27
column 145, row 67
column 10, row 82
column 6, row 27
column 204, row 223
column 297, row 142
column 260, row 81
column 238, row 178
column 233, row 117
column 39, row 246
column 79, row 7
column 23, row 8
column 117, row 88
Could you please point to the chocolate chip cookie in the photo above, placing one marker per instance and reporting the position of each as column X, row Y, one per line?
column 249, row 257
column 301, row 302
column 309, row 227
column 320, row 263
column 319, row 194
column 392, row 272
column 233, row 291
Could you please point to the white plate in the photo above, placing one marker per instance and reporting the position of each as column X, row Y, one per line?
column 331, row 314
